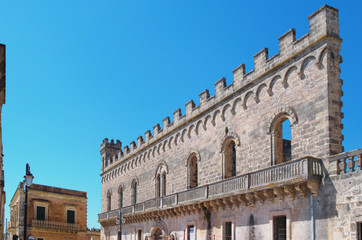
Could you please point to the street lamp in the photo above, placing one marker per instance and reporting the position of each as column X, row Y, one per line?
column 28, row 180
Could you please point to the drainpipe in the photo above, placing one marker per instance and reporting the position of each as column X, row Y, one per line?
column 312, row 223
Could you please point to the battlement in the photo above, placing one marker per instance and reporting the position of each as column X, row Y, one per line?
column 111, row 144
column 323, row 26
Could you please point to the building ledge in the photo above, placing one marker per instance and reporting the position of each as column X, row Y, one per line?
column 300, row 176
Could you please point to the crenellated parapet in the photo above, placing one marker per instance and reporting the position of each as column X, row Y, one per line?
column 322, row 38
column 111, row 152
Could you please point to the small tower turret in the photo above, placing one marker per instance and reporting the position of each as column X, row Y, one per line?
column 110, row 152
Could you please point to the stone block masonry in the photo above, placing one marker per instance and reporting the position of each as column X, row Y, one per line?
column 225, row 160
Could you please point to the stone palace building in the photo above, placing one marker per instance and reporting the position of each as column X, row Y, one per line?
column 2, row 177
column 227, row 169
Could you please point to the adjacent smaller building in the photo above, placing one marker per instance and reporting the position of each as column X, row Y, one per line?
column 53, row 213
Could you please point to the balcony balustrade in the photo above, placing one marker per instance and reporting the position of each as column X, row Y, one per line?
column 58, row 226
column 286, row 174
column 346, row 162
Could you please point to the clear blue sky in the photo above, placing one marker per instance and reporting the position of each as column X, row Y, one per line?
column 82, row 70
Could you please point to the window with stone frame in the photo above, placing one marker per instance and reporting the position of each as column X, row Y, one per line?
column 109, row 201
column 134, row 192
column 282, row 140
column 160, row 180
column 230, row 159
column 40, row 213
column 359, row 230
column 190, row 232
column 120, row 197
column 280, row 228
column 158, row 186
column 163, row 184
column 282, row 135
column 70, row 216
column 228, row 231
column 192, row 171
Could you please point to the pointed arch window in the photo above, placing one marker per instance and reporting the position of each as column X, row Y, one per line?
column 109, row 201
column 134, row 196
column 120, row 197
column 230, row 159
column 158, row 185
column 160, row 180
column 163, row 184
column 192, row 171
column 229, row 155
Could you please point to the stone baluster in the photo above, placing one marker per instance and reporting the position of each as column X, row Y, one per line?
column 341, row 165
column 351, row 164
column 358, row 161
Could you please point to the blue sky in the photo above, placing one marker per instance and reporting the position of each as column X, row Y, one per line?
column 82, row 70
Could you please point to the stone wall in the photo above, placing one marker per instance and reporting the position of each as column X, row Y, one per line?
column 300, row 83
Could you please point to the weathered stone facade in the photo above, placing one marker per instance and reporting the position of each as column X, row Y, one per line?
column 225, row 169
column 2, row 177
column 53, row 213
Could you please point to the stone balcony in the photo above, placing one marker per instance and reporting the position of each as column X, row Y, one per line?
column 57, row 226
column 283, row 180
column 346, row 162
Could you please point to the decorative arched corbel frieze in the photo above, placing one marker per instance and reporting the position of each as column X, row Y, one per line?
column 207, row 118
column 304, row 65
column 233, row 108
column 214, row 117
column 287, row 74
column 198, row 125
column 272, row 83
column 225, row 108
column 258, row 91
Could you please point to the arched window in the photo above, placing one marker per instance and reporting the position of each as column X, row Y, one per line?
column 192, row 171
column 158, row 185
column 120, row 197
column 163, row 184
column 160, row 180
column 230, row 159
column 109, row 201
column 229, row 149
column 281, row 135
column 282, row 146
column 134, row 191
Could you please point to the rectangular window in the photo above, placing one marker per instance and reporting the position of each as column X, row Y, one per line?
column 139, row 235
column 190, row 233
column 40, row 213
column 70, row 216
column 228, row 231
column 280, row 227
column 359, row 231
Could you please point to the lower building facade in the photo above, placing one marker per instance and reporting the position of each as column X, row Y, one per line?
column 52, row 213
column 227, row 169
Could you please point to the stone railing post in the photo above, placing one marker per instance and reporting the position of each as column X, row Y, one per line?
column 351, row 164
column 342, row 166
